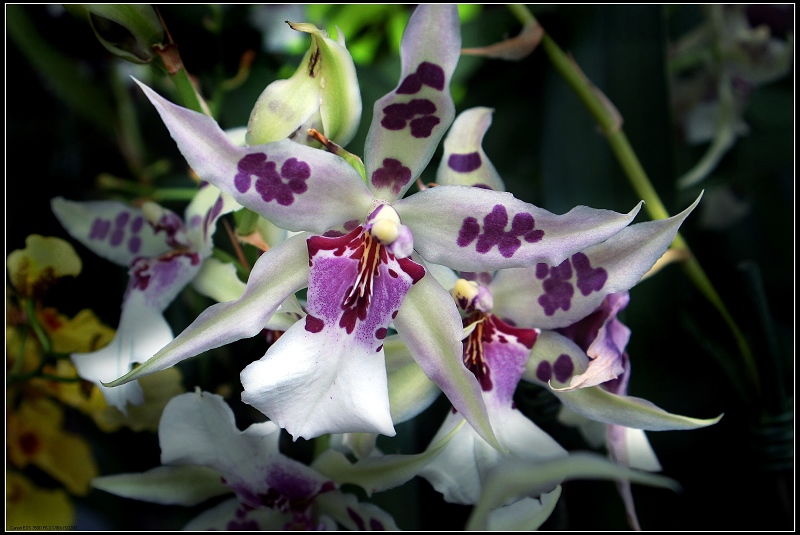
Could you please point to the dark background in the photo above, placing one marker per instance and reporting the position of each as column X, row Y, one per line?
column 549, row 152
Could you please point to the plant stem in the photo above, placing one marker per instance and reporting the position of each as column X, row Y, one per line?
column 638, row 178
column 44, row 340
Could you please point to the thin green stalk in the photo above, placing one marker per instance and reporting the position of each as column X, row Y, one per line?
column 44, row 340
column 638, row 178
column 186, row 90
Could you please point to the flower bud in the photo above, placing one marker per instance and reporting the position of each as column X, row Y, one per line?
column 129, row 31
column 322, row 94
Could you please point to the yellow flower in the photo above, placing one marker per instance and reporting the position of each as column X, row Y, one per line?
column 34, row 435
column 28, row 505
column 43, row 261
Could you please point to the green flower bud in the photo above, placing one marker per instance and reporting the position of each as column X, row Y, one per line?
column 322, row 94
column 128, row 31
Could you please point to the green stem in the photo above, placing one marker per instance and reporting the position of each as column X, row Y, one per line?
column 638, row 178
column 44, row 340
column 186, row 90
column 23, row 337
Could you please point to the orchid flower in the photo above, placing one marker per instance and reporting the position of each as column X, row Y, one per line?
column 361, row 261
column 507, row 316
column 602, row 333
column 163, row 254
column 204, row 455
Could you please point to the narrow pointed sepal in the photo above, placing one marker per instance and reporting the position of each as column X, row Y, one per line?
column 484, row 230
column 294, row 186
column 277, row 274
column 550, row 295
column 430, row 325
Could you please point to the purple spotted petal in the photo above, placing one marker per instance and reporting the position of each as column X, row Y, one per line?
column 327, row 373
column 603, row 336
column 200, row 430
column 483, row 230
column 464, row 162
column 496, row 353
column 160, row 279
column 555, row 360
column 110, row 229
column 550, row 295
column 409, row 121
column 294, row 186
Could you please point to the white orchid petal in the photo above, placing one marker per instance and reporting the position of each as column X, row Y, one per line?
column 476, row 229
column 110, row 229
column 550, row 295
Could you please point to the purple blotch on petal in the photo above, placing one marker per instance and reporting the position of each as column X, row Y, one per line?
column 116, row 237
column 314, row 325
column 251, row 164
column 421, row 106
column 428, row 74
column 558, row 291
column 399, row 111
column 508, row 245
column 563, row 368
column 137, row 224
column 134, row 244
column 544, row 371
column 295, row 169
column 380, row 334
column 522, row 223
column 392, row 175
column 534, row 236
column 468, row 232
column 494, row 225
column 464, row 163
column 589, row 279
column 431, row 75
column 542, row 270
column 412, row 84
column 422, row 127
column 355, row 517
column 122, row 219
column 375, row 525
column 100, row 228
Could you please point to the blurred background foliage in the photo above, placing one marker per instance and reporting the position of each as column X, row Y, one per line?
column 75, row 127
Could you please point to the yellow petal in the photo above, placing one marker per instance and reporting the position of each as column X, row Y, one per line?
column 43, row 261
column 82, row 334
column 35, row 435
column 29, row 507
